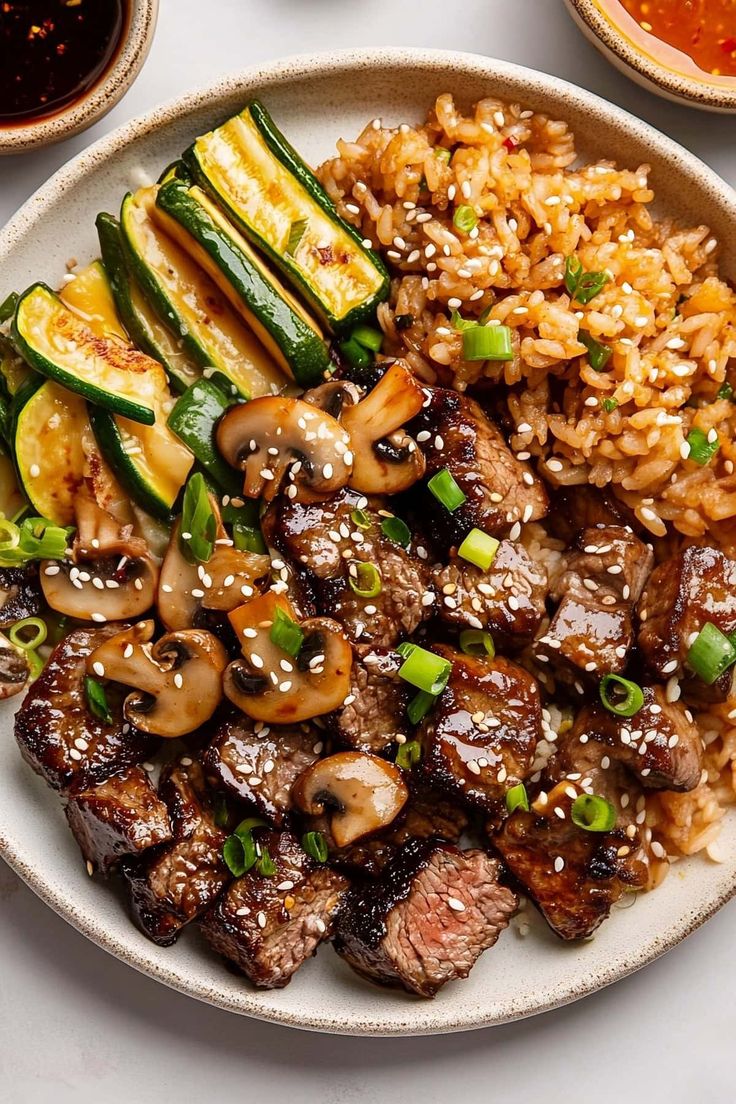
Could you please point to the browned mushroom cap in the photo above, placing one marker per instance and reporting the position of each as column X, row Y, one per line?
column 386, row 459
column 272, row 436
column 272, row 685
column 179, row 678
column 360, row 793
column 14, row 669
column 333, row 397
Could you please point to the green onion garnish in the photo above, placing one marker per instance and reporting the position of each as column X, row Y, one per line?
column 296, row 233
column 711, row 653
column 36, row 538
column 461, row 324
column 620, row 695
column 609, row 405
column 725, row 391
column 248, row 539
column 443, row 154
column 516, row 798
column 476, row 642
column 315, row 844
column 366, row 583
column 479, row 548
column 425, row 670
column 487, row 343
column 419, row 706
column 198, row 522
column 265, row 866
column 465, row 219
column 598, row 355
column 19, row 633
column 7, row 307
column 360, row 519
column 357, row 355
column 96, row 697
column 583, row 286
column 573, row 272
column 36, row 664
column 368, row 337
column 286, row 634
column 239, row 849
column 593, row 813
column 445, row 490
column 397, row 531
column 702, row 450
column 409, row 754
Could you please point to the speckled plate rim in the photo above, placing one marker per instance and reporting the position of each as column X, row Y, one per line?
column 451, row 1016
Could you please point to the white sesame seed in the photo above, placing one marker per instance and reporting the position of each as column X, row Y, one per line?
column 456, row 904
column 559, row 864
column 261, row 919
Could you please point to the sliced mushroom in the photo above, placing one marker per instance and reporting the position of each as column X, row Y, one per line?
column 386, row 460
column 179, row 678
column 14, row 669
column 360, row 794
column 270, row 684
column 334, row 397
column 273, row 436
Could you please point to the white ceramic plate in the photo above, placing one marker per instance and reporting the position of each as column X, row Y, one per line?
column 316, row 100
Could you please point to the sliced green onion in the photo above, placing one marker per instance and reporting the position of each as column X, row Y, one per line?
column 360, row 519
column 246, row 538
column 368, row 337
column 593, row 813
column 198, row 522
column 461, row 324
column 425, row 670
column 239, row 849
column 7, row 307
column 36, row 538
column 702, row 450
column 367, row 582
column 419, row 706
column 443, row 154
column 573, row 272
column 405, row 648
column 315, row 844
column 445, row 490
column 479, row 548
column 357, row 355
column 265, row 866
column 96, row 697
column 487, row 343
column 711, row 653
column 246, row 826
column 18, row 633
column 598, row 354
column 609, row 405
column 517, row 798
column 296, row 233
column 476, row 642
column 580, row 285
column 626, row 706
column 409, row 754
column 465, row 218
column 286, row 634
column 725, row 391
column 397, row 531
column 36, row 664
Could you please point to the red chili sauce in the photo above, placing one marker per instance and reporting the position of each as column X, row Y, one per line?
column 52, row 52
column 704, row 30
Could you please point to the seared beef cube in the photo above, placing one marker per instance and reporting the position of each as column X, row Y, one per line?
column 480, row 737
column 573, row 875
column 501, row 491
column 426, row 921
column 121, row 816
column 585, row 507
column 57, row 734
column 181, row 880
column 259, row 764
column 508, row 599
column 585, row 639
column 327, row 546
column 608, row 565
column 697, row 586
column 376, row 715
column 20, row 594
column 269, row 926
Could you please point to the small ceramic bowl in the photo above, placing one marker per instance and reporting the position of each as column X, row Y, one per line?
column 617, row 38
column 101, row 97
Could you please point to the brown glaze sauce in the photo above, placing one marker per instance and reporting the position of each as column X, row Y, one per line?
column 53, row 51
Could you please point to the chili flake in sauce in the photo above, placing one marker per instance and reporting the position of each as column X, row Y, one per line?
column 705, row 30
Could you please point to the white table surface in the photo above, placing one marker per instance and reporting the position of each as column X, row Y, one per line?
column 78, row 1026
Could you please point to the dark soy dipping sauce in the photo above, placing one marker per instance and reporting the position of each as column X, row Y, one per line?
column 52, row 52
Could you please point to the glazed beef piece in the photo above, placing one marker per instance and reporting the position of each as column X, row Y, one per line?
column 180, row 880
column 20, row 594
column 426, row 921
column 585, row 507
column 501, row 491
column 121, row 816
column 376, row 715
column 592, row 631
column 682, row 594
column 259, row 764
column 324, row 544
column 479, row 738
column 57, row 734
column 269, row 926
column 508, row 599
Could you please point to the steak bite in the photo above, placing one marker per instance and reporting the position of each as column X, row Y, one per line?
column 501, row 491
column 180, row 880
column 57, row 734
column 682, row 595
column 327, row 547
column 508, row 599
column 120, row 816
column 428, row 918
column 479, row 738
column 259, row 764
column 269, row 926
column 585, row 507
column 375, row 715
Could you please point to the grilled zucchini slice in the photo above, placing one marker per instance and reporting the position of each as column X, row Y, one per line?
column 253, row 173
column 292, row 338
column 89, row 296
column 191, row 305
column 49, row 431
